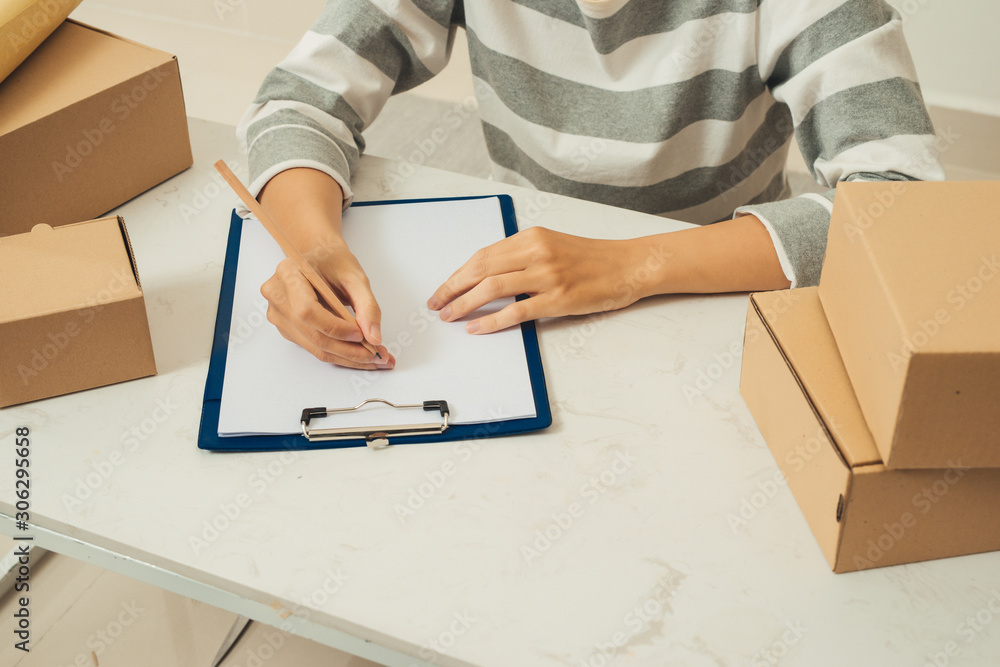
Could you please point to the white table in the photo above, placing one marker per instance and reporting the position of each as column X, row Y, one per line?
column 633, row 485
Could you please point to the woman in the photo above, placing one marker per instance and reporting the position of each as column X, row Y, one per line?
column 682, row 109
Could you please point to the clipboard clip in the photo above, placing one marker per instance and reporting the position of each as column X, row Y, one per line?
column 376, row 437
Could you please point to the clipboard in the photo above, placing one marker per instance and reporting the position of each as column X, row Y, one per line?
column 438, row 429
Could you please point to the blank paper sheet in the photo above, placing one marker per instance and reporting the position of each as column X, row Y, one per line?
column 407, row 250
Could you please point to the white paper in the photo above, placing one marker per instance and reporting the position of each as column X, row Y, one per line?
column 407, row 250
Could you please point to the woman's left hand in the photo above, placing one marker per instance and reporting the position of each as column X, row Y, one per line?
column 561, row 273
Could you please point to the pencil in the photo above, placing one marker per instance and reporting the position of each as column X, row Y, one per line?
column 305, row 267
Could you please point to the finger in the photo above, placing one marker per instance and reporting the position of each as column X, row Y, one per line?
column 330, row 350
column 303, row 305
column 510, row 315
column 366, row 309
column 502, row 257
column 489, row 289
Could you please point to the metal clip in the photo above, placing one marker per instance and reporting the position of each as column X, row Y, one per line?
column 376, row 437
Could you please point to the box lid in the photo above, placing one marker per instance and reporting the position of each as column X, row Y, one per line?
column 805, row 340
column 938, row 250
column 72, row 64
column 70, row 267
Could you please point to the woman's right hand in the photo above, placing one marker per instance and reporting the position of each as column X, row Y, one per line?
column 296, row 310
column 307, row 205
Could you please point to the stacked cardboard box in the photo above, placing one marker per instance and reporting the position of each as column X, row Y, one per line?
column 73, row 314
column 879, row 392
column 24, row 24
column 87, row 121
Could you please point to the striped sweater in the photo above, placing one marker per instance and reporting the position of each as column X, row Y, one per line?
column 682, row 108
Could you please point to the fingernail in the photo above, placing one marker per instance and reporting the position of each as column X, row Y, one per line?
column 433, row 303
column 375, row 331
column 473, row 326
column 446, row 313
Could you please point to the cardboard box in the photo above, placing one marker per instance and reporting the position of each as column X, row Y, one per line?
column 88, row 121
column 911, row 289
column 862, row 514
column 73, row 314
column 24, row 24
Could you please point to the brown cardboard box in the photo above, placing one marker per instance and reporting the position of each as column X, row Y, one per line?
column 72, row 316
column 862, row 514
column 24, row 24
column 87, row 122
column 911, row 289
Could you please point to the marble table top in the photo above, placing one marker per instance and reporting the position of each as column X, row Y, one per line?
column 607, row 539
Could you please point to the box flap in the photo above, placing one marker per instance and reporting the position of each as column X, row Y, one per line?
column 936, row 248
column 808, row 346
column 131, row 253
column 802, row 446
column 74, row 266
column 72, row 64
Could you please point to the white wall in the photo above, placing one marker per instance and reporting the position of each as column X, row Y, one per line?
column 956, row 51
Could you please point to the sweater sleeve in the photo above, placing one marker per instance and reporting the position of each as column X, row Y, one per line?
column 851, row 87
column 312, row 108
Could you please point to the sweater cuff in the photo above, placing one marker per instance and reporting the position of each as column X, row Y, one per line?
column 798, row 229
column 266, row 157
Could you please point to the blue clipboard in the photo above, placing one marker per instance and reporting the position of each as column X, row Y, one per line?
column 208, row 433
